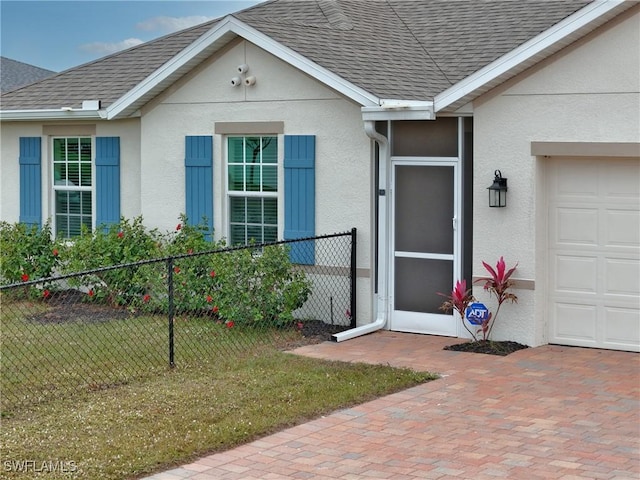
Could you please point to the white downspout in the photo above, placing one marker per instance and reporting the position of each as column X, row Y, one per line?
column 383, row 241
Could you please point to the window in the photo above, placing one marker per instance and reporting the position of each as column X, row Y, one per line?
column 252, row 189
column 72, row 184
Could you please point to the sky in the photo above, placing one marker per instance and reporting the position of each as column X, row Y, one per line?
column 57, row 35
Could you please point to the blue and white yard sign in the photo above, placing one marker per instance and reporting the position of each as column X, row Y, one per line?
column 477, row 313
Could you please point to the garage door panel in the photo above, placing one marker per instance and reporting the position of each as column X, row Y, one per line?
column 619, row 182
column 575, row 226
column 593, row 207
column 579, row 322
column 571, row 185
column 622, row 328
column 623, row 228
column 576, row 274
column 622, row 277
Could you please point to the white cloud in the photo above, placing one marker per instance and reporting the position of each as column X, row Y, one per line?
column 171, row 24
column 106, row 48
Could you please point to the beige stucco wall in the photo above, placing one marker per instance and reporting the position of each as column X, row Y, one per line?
column 589, row 92
column 127, row 130
column 281, row 94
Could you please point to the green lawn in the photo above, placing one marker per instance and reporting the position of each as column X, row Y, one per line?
column 130, row 415
column 53, row 352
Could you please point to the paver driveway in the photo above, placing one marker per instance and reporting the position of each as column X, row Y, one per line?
column 549, row 412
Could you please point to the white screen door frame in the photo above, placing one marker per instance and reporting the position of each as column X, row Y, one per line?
column 419, row 266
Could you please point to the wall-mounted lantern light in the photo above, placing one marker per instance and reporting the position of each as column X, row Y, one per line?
column 498, row 191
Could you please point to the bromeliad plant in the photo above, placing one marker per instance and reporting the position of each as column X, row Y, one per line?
column 459, row 300
column 497, row 283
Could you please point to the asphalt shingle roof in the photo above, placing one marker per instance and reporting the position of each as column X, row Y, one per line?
column 15, row 74
column 407, row 49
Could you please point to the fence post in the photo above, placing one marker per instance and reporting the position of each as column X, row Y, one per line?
column 171, row 310
column 353, row 277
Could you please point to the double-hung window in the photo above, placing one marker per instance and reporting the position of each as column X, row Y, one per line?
column 72, row 184
column 252, row 172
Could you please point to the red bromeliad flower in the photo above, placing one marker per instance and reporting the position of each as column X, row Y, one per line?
column 90, row 293
column 209, row 299
column 459, row 300
column 176, row 269
column 215, row 309
column 55, row 252
column 24, row 277
column 230, row 324
column 120, row 234
column 498, row 283
column 212, row 273
column 146, row 298
column 178, row 227
column 46, row 294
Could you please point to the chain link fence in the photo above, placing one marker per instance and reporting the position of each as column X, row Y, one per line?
column 96, row 329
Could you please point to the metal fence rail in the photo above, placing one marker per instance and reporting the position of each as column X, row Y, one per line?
column 95, row 329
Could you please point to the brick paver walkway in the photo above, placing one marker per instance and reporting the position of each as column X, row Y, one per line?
column 542, row 413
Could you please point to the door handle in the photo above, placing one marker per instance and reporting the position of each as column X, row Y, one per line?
column 454, row 222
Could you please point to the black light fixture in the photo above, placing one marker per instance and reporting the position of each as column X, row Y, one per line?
column 498, row 191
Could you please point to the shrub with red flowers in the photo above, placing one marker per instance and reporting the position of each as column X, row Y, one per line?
column 126, row 242
column 234, row 286
column 27, row 253
column 498, row 284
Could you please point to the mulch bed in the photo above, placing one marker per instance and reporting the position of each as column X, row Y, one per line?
column 489, row 347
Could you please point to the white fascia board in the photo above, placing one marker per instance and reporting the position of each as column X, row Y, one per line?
column 399, row 110
column 525, row 52
column 52, row 114
column 232, row 25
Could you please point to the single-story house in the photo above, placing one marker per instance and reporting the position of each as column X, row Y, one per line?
column 295, row 118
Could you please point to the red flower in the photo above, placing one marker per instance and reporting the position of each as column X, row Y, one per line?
column 55, row 252
column 25, row 277
column 90, row 293
column 209, row 299
column 230, row 324
column 215, row 309
column 176, row 269
column 212, row 273
column 46, row 294
column 120, row 234
column 300, row 325
column 146, row 298
column 178, row 227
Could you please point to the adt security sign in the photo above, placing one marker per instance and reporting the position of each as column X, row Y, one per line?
column 476, row 313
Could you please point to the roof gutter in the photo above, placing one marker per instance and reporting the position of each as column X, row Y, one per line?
column 52, row 114
column 391, row 109
column 383, row 242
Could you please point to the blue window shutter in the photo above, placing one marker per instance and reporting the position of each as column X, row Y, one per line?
column 30, row 181
column 198, row 164
column 300, row 195
column 107, row 180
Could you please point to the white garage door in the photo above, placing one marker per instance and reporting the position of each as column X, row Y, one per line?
column 594, row 252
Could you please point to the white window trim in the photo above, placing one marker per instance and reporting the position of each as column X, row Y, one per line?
column 279, row 195
column 52, row 188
